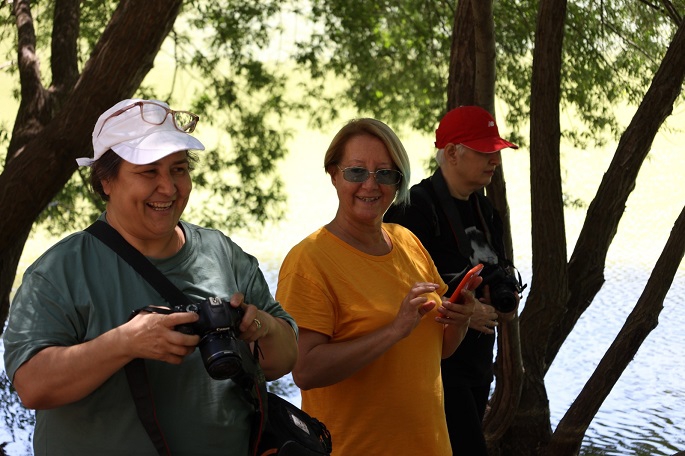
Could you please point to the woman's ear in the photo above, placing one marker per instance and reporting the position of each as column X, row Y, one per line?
column 331, row 170
column 106, row 186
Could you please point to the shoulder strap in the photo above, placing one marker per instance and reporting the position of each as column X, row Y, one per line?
column 139, row 262
column 136, row 374
column 253, row 385
column 447, row 205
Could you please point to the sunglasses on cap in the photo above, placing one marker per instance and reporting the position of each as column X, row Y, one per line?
column 156, row 114
column 358, row 174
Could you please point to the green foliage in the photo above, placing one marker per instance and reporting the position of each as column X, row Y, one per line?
column 611, row 52
column 390, row 53
column 218, row 47
column 245, row 99
column 394, row 57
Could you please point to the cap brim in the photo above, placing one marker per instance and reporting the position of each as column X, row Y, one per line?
column 155, row 146
column 489, row 145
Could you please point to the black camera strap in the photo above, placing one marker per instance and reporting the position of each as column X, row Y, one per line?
column 136, row 374
column 139, row 262
column 444, row 199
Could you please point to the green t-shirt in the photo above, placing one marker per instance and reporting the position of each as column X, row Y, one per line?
column 80, row 289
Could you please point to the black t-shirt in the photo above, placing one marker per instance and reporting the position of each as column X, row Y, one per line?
column 472, row 362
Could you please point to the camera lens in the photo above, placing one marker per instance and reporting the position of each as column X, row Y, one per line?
column 504, row 300
column 223, row 366
column 220, row 355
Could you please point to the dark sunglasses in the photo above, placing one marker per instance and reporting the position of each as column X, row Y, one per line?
column 155, row 114
column 383, row 176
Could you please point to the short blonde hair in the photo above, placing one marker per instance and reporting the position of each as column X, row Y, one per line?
column 377, row 129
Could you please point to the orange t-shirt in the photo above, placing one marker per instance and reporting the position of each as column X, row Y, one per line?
column 395, row 404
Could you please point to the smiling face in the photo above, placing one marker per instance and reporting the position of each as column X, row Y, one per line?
column 363, row 202
column 146, row 201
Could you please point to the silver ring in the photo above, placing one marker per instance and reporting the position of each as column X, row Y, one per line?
column 258, row 323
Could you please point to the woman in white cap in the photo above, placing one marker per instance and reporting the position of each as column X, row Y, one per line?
column 69, row 333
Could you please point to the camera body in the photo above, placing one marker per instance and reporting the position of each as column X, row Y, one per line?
column 218, row 327
column 505, row 289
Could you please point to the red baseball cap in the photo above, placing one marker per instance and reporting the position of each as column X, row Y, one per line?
column 473, row 127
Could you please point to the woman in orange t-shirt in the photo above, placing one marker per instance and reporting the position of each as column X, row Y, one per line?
column 368, row 301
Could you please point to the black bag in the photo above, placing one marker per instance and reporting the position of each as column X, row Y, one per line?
column 292, row 432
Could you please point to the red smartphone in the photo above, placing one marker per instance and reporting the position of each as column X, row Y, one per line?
column 467, row 282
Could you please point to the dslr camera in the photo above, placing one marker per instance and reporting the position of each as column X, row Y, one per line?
column 218, row 327
column 505, row 289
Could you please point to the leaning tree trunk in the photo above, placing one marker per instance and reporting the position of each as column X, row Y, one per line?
column 51, row 135
column 35, row 112
column 586, row 267
column 568, row 436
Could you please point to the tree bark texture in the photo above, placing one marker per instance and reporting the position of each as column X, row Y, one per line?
column 509, row 374
column 54, row 125
column 462, row 71
column 545, row 304
column 472, row 82
column 486, row 70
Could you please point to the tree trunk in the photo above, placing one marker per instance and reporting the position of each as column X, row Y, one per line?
column 472, row 82
column 592, row 247
column 462, row 71
column 51, row 139
column 509, row 374
column 545, row 303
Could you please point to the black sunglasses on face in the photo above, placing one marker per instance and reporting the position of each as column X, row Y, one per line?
column 155, row 114
column 358, row 174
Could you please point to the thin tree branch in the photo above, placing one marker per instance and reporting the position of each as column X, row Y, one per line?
column 568, row 437
column 27, row 60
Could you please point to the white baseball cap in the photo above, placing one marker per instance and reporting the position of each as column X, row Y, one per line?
column 130, row 129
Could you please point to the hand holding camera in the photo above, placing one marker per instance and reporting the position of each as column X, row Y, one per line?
column 152, row 336
column 225, row 330
column 219, row 327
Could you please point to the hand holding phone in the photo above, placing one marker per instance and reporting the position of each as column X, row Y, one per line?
column 467, row 283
